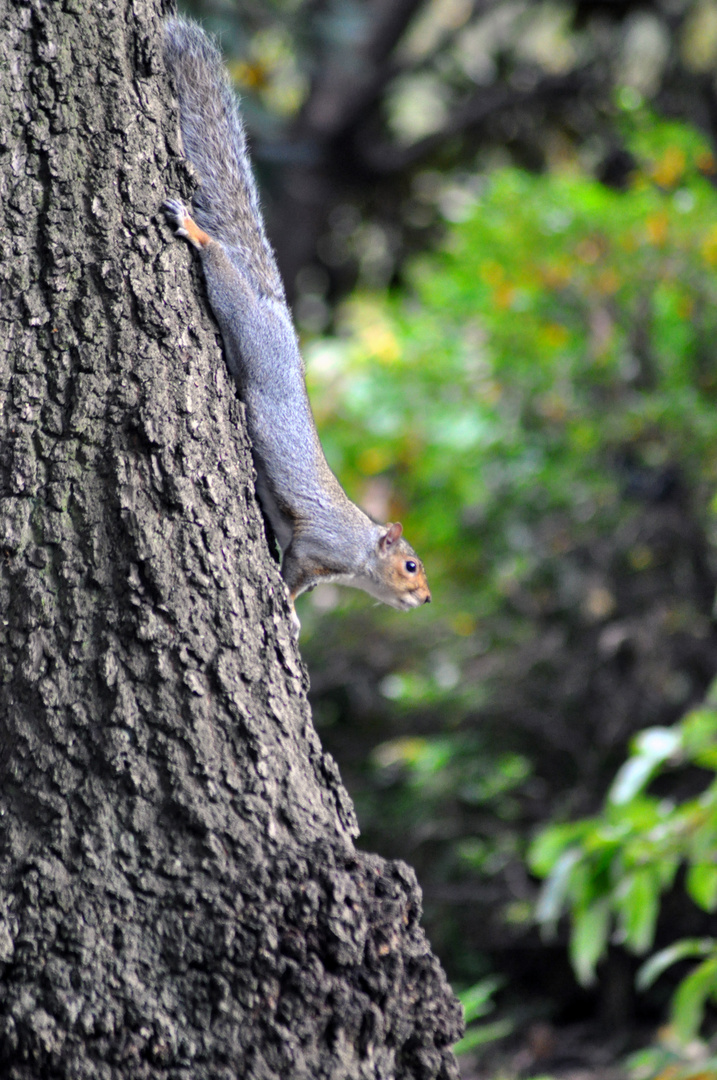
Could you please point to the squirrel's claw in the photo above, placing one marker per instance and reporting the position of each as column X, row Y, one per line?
column 175, row 212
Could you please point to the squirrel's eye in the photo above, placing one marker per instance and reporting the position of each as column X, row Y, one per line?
column 411, row 566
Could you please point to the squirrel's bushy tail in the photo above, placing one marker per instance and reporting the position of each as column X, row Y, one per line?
column 226, row 205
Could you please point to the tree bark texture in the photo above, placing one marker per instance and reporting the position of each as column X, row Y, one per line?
column 180, row 896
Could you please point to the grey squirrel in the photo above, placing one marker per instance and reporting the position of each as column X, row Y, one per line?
column 322, row 534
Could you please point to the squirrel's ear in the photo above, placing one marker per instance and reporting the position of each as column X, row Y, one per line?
column 390, row 536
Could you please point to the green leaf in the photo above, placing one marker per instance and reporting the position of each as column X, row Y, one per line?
column 631, row 778
column 657, row 743
column 699, row 731
column 476, row 1000
column 548, row 846
column 651, row 970
column 588, row 940
column 652, row 747
column 701, row 884
column 688, row 1005
column 482, row 1034
column 666, row 869
column 555, row 891
column 639, row 907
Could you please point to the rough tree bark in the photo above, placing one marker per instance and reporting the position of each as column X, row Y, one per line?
column 179, row 891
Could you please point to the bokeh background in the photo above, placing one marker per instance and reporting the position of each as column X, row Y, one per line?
column 497, row 222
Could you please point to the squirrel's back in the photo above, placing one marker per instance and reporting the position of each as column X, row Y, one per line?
column 324, row 536
column 227, row 204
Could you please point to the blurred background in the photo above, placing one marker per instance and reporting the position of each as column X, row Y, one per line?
column 497, row 222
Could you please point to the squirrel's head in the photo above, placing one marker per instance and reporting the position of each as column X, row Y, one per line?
column 403, row 581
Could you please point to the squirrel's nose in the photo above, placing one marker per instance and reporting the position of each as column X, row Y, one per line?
column 428, row 599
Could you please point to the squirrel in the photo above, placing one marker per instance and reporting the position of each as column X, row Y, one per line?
column 323, row 535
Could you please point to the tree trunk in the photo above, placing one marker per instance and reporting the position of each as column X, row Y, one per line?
column 179, row 891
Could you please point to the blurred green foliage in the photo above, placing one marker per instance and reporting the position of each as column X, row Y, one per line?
column 537, row 382
column 611, row 872
column 349, row 107
column 562, row 327
column 477, row 1002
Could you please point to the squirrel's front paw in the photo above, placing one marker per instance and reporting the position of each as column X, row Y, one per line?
column 176, row 214
column 178, row 217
